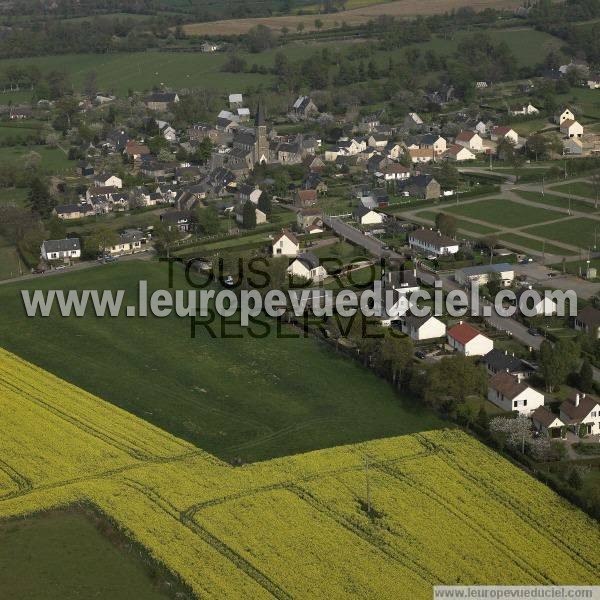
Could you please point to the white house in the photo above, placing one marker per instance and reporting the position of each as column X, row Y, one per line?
column 306, row 266
column 61, row 249
column 511, row 394
column 108, row 180
column 565, row 115
column 571, row 129
column 423, row 328
column 432, row 241
column 129, row 242
column 504, row 133
column 286, row 244
column 581, row 412
column 421, row 155
column 366, row 216
column 588, row 321
column 572, row 147
column 395, row 171
column 470, row 140
column 459, row 154
column 235, row 100
column 481, row 274
column 547, row 423
column 523, row 110
column 467, row 340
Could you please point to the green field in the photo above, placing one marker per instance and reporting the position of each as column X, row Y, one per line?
column 462, row 223
column 559, row 201
column 19, row 129
column 13, row 196
column 504, row 213
column 579, row 232
column 9, row 263
column 248, row 398
column 579, row 188
column 535, row 245
column 63, row 555
column 53, row 160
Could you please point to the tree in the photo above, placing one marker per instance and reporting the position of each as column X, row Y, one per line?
column 249, row 215
column 575, row 480
column 586, row 377
column 318, row 24
column 90, row 86
column 38, row 197
column 446, row 224
column 490, row 242
column 265, row 204
column 514, row 432
column 101, row 239
column 203, row 151
column 557, row 362
column 395, row 356
column 166, row 236
column 596, row 185
column 494, row 284
column 537, row 145
column 208, row 220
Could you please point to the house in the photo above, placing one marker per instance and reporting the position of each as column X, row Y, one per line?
column 395, row 171
column 305, row 198
column 432, row 242
column 304, row 108
column 394, row 150
column 547, row 423
column 66, row 249
column 470, row 140
column 571, row 129
column 160, row 101
column 588, row 321
column 572, row 147
column 481, row 274
column 523, row 110
column 177, row 220
column 425, row 187
column 236, row 101
column 248, row 192
column 481, row 128
column 504, row 133
column 421, row 155
column 582, row 68
column 208, row 47
column 581, row 413
column 593, row 82
column 565, row 115
column 85, row 169
column 286, row 244
column 511, row 394
column 467, row 340
column 541, row 305
column 167, row 131
column 306, row 266
column 307, row 217
column 459, row 154
column 129, row 242
column 314, row 182
column 366, row 216
column 412, row 121
column 261, row 217
column 136, row 151
column 498, row 361
column 68, row 212
column 423, row 328
column 107, row 180
column 378, row 141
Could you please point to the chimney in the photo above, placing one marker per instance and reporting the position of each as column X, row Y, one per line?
column 583, row 395
column 506, row 353
column 576, row 399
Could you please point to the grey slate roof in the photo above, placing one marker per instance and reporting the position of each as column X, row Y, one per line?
column 62, row 245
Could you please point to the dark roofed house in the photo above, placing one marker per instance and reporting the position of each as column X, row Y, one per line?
column 306, row 198
column 547, row 423
column 588, row 321
column 497, row 361
column 425, row 187
column 61, row 249
column 432, row 241
column 581, row 412
column 160, row 101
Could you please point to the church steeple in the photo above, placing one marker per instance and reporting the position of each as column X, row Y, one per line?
column 260, row 114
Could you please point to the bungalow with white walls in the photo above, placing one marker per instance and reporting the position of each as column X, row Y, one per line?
column 581, row 412
column 508, row 392
column 521, row 110
column 470, row 140
column 459, row 154
column 481, row 274
column 468, row 340
column 61, row 249
column 423, row 328
column 547, row 423
column 421, row 155
column 286, row 244
column 108, row 180
column 504, row 133
column 306, row 266
column 433, row 242
column 565, row 115
column 571, row 129
column 366, row 216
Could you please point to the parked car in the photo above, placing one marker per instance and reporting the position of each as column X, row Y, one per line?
column 533, row 331
column 420, row 354
column 38, row 271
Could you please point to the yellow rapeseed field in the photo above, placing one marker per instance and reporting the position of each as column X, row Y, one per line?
column 444, row 508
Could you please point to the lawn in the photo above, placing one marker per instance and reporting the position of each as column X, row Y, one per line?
column 248, row 398
column 462, row 224
column 9, row 262
column 535, row 245
column 580, row 232
column 13, row 196
column 503, row 213
column 53, row 160
column 63, row 555
column 578, row 188
column 559, row 201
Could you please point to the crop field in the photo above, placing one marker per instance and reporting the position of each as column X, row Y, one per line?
column 503, row 213
column 357, row 16
column 579, row 232
column 443, row 507
column 246, row 398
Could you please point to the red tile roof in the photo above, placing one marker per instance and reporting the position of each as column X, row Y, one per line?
column 463, row 333
column 465, row 136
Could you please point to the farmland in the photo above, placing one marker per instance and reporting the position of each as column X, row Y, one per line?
column 247, row 398
column 357, row 16
column 206, row 521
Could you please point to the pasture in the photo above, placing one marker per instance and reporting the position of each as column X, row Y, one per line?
column 234, row 397
column 265, row 529
column 503, row 213
column 9, row 260
column 52, row 160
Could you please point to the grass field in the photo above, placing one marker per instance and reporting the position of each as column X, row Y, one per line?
column 66, row 552
column 9, row 263
column 535, row 245
column 357, row 16
column 462, row 223
column 53, row 160
column 577, row 232
column 579, row 188
column 503, row 213
column 559, row 201
column 443, row 507
column 248, row 398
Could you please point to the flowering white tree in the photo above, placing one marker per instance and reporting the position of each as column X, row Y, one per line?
column 516, row 431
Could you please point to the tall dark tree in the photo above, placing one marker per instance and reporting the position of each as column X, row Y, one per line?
column 39, row 199
column 265, row 204
column 249, row 216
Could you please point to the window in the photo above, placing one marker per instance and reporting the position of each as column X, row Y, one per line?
column 524, row 402
column 515, row 404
